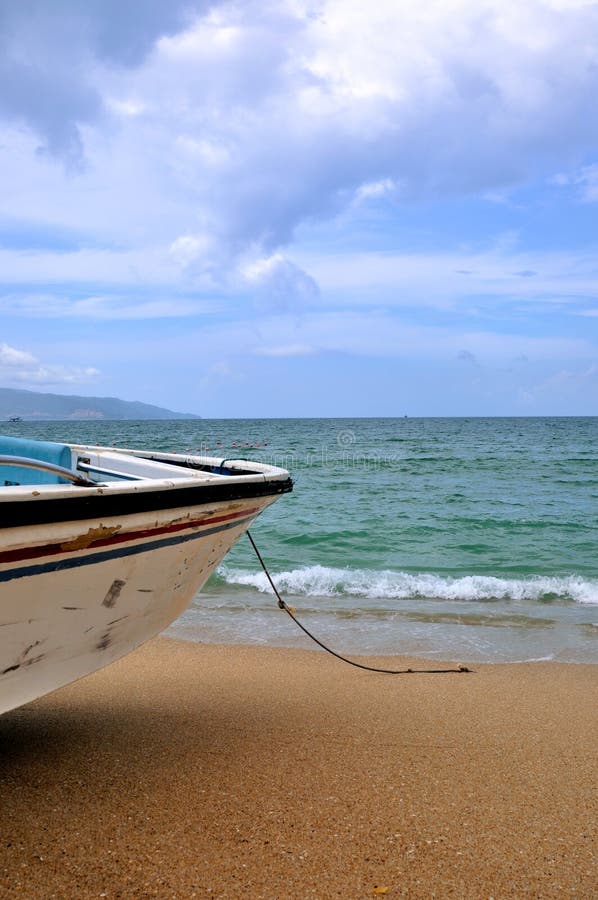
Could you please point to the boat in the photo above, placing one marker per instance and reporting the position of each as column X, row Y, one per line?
column 15, row 419
column 103, row 547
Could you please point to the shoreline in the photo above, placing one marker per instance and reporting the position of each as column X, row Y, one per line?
column 303, row 643
column 212, row 770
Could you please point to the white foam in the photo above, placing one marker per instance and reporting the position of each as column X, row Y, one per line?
column 323, row 581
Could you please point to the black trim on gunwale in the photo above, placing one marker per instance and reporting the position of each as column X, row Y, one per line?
column 45, row 510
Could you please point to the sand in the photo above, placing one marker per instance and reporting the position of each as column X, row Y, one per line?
column 190, row 770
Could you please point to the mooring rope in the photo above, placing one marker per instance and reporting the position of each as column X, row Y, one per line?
column 351, row 662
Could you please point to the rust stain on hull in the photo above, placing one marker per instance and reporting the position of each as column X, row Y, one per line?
column 83, row 541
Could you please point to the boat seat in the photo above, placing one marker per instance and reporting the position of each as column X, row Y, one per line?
column 45, row 451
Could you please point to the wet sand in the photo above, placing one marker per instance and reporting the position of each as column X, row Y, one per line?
column 193, row 770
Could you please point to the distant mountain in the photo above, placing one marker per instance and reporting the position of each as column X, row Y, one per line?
column 33, row 405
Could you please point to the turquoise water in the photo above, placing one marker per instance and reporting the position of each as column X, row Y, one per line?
column 470, row 539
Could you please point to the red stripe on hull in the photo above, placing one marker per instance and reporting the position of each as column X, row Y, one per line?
column 26, row 553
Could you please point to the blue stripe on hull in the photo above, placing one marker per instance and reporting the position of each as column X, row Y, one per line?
column 93, row 558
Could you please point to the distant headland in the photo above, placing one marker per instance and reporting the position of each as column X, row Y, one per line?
column 32, row 405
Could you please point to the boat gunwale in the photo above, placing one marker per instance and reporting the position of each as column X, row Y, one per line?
column 94, row 503
column 31, row 504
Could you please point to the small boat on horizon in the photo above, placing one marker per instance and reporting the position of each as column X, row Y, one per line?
column 15, row 418
column 102, row 548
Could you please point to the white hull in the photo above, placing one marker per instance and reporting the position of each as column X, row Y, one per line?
column 78, row 594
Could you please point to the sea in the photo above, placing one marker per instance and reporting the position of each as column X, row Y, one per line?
column 462, row 539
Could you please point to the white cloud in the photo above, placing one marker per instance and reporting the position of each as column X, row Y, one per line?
column 232, row 128
column 453, row 280
column 125, row 107
column 200, row 258
column 49, row 54
column 120, row 308
column 143, row 267
column 570, row 383
column 377, row 333
column 584, row 181
column 220, row 371
column 285, row 350
column 23, row 368
column 279, row 283
column 106, row 308
column 10, row 358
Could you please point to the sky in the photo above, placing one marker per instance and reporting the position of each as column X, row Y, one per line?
column 302, row 207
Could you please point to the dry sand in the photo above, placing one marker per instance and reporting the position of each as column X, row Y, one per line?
column 191, row 770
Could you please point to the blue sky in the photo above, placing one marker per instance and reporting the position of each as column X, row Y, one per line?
column 302, row 208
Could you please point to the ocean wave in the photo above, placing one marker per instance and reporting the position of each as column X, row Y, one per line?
column 324, row 581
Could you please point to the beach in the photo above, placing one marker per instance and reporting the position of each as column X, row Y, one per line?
column 197, row 770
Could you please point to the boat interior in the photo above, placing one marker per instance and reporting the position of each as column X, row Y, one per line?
column 30, row 462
